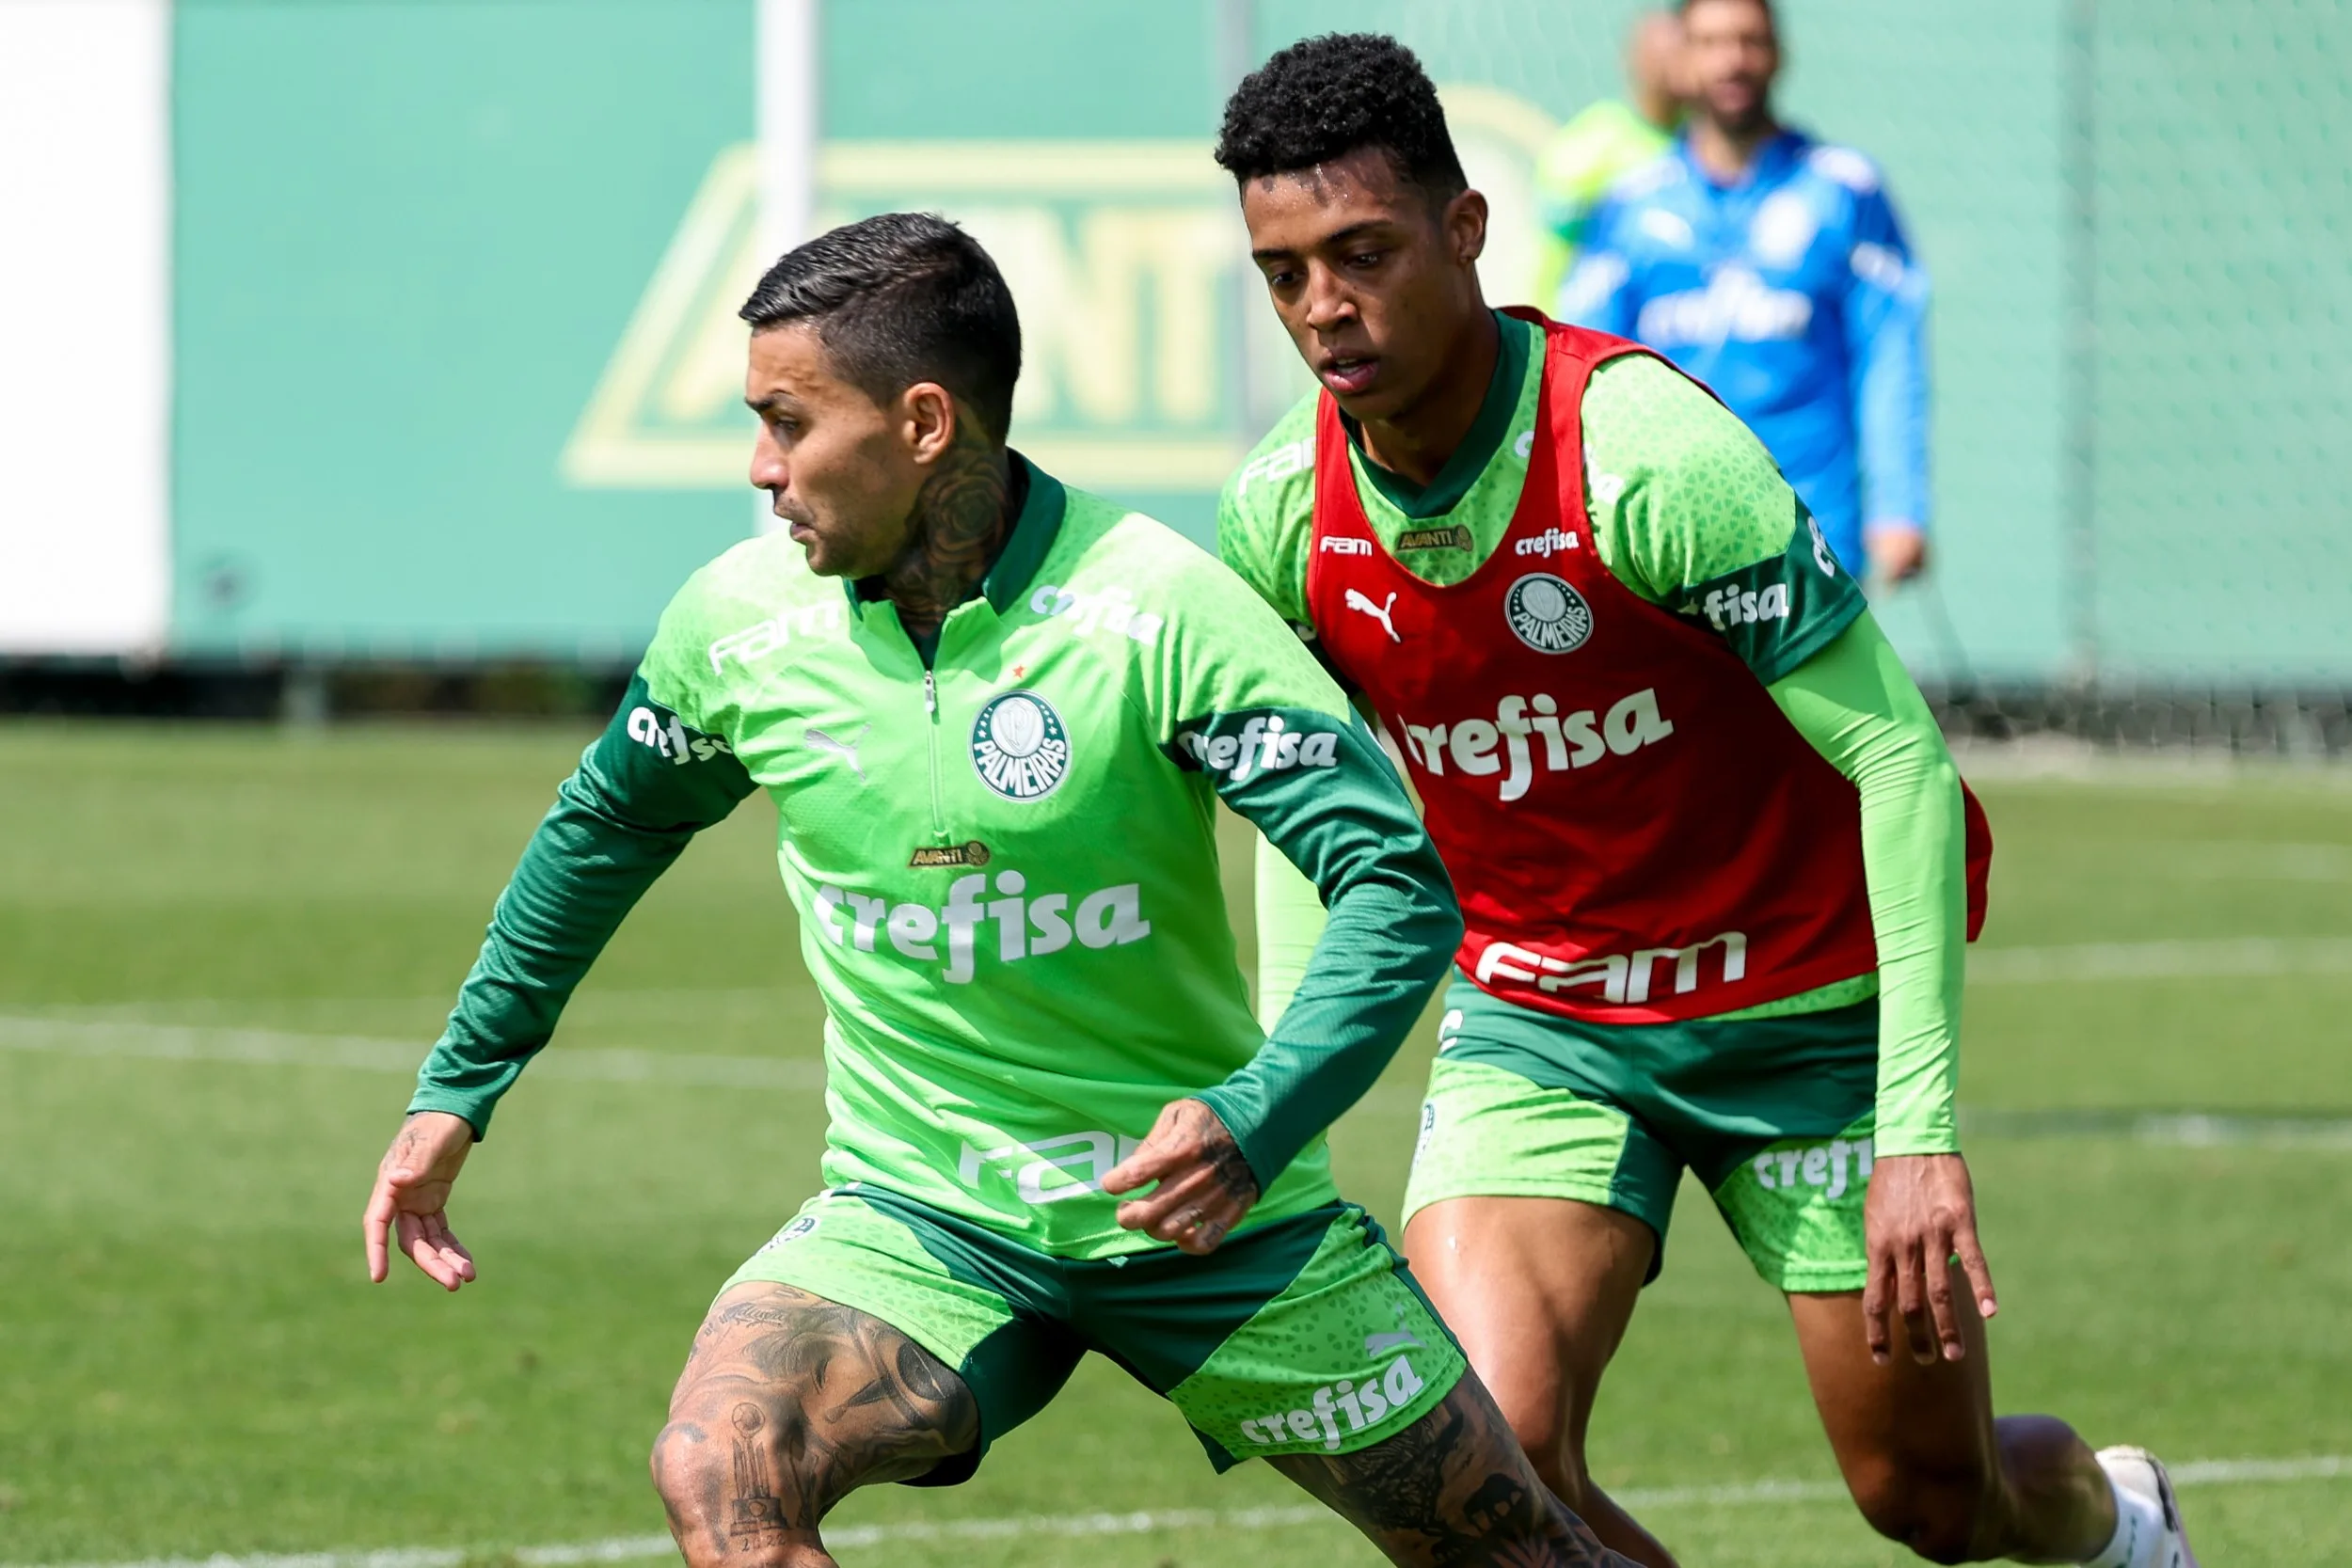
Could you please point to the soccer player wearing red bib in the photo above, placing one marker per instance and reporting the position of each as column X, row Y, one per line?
column 1716, row 867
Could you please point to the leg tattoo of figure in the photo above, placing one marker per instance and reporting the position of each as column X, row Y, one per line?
column 758, row 1512
column 812, row 1399
column 1452, row 1489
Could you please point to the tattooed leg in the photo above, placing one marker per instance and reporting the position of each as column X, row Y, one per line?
column 789, row 1402
column 1452, row 1489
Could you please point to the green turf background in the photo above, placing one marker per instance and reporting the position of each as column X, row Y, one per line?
column 191, row 1360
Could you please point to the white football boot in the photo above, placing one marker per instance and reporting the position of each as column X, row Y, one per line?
column 2142, row 1474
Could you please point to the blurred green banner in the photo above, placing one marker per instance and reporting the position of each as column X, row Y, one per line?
column 409, row 235
column 456, row 364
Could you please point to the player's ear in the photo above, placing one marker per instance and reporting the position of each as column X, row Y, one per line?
column 1464, row 221
column 928, row 419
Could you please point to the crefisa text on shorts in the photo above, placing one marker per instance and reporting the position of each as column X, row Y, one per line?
column 1366, row 1404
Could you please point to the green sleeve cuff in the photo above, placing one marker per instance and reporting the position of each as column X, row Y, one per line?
column 1939, row 1136
column 474, row 1108
column 1857, row 707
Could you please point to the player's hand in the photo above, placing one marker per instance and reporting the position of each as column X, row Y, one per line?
column 1921, row 1212
column 1898, row 551
column 411, row 1194
column 1205, row 1186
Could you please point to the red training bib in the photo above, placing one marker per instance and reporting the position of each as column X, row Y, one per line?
column 1636, row 831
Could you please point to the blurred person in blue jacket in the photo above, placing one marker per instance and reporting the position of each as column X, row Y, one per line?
column 1771, row 267
column 1608, row 141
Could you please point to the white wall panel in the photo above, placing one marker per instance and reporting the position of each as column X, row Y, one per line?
column 85, row 325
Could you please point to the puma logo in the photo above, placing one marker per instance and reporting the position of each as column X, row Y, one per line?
column 846, row 750
column 1380, row 613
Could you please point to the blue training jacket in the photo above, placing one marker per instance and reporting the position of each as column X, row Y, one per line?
column 1795, row 296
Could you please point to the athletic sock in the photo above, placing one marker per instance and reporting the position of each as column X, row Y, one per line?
column 2138, row 1531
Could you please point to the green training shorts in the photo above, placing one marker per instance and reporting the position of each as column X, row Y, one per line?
column 1304, row 1335
column 1775, row 1115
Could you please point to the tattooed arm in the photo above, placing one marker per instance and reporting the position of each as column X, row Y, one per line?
column 1205, row 1185
column 789, row 1402
column 1452, row 1489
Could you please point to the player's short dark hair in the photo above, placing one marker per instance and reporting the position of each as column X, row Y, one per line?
column 901, row 298
column 1326, row 97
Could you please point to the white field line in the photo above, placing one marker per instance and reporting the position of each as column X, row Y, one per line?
column 2251, row 860
column 2217, row 957
column 2173, row 1130
column 168, row 1042
column 2192, row 959
column 631, row 1548
column 2238, row 1472
column 173, row 1042
column 77, row 1034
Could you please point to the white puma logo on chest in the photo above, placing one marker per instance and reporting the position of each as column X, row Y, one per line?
column 1380, row 613
column 846, row 750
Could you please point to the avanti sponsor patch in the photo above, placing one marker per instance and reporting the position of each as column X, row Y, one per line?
column 972, row 853
column 1455, row 538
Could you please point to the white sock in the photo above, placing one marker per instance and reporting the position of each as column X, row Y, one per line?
column 2138, row 1531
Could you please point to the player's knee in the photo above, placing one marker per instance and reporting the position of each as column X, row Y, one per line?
column 682, row 1462
column 695, row 1474
column 1544, row 1432
column 1554, row 1465
column 1562, row 1470
column 1940, row 1512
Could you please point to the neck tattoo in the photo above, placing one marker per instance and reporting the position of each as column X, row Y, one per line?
column 961, row 517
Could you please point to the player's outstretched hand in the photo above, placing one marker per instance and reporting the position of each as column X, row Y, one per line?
column 1920, row 1213
column 412, row 1195
column 1205, row 1186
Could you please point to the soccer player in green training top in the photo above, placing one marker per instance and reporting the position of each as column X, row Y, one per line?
column 995, row 715
column 1709, row 846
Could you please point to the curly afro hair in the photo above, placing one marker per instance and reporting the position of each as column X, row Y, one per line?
column 1326, row 97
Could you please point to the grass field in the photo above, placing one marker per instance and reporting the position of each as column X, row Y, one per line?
column 222, row 953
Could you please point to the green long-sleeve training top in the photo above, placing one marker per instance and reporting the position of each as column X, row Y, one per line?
column 1003, row 855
